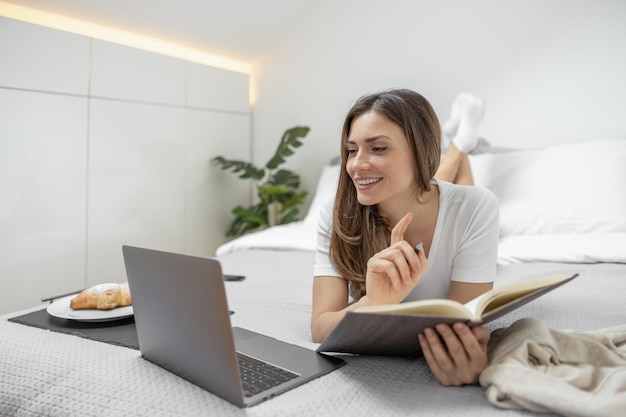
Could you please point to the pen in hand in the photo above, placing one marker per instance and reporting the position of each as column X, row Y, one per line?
column 419, row 247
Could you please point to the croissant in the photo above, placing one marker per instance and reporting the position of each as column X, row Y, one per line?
column 102, row 297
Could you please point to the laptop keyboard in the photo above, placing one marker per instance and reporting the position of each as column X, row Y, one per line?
column 258, row 376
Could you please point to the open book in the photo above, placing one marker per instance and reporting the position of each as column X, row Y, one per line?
column 393, row 329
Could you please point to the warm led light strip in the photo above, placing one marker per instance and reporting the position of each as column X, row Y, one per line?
column 122, row 37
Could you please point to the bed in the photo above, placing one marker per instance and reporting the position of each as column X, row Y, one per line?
column 562, row 211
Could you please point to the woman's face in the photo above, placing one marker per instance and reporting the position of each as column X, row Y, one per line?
column 379, row 160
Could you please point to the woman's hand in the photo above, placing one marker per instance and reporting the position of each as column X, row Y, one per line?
column 461, row 357
column 393, row 272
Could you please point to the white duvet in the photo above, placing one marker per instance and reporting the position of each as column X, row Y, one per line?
column 287, row 237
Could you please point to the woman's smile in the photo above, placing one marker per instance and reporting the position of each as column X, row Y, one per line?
column 364, row 182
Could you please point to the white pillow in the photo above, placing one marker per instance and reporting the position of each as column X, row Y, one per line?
column 569, row 248
column 561, row 189
column 326, row 189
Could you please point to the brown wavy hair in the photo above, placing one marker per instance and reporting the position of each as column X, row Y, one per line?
column 361, row 231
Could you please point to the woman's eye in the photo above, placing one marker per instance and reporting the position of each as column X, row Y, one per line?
column 379, row 149
column 350, row 151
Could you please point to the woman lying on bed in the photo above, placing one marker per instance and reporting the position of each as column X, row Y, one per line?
column 396, row 191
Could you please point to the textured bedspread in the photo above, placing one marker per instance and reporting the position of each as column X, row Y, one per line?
column 44, row 373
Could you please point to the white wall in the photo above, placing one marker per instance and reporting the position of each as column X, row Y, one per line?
column 551, row 71
column 103, row 145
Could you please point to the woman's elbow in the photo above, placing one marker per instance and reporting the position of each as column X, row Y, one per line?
column 316, row 334
column 316, row 338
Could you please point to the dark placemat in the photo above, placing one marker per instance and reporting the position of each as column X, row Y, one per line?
column 118, row 332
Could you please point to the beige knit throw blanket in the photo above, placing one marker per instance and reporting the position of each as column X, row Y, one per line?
column 537, row 368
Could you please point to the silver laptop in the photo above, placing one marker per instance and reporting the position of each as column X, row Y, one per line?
column 183, row 325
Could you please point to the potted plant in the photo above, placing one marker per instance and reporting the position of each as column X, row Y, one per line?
column 277, row 189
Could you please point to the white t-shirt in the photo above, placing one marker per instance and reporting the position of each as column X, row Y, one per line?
column 464, row 246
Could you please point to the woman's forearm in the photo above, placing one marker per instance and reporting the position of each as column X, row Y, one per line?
column 324, row 323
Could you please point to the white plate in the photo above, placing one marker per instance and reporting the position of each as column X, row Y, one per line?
column 61, row 308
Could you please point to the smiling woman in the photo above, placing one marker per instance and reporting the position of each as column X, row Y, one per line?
column 388, row 201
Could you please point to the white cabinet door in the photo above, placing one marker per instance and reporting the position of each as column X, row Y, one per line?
column 38, row 58
column 136, row 183
column 217, row 89
column 121, row 72
column 43, row 187
column 211, row 193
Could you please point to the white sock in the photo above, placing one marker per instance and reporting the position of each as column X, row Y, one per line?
column 451, row 125
column 466, row 136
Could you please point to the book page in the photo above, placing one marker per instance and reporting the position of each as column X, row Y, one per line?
column 504, row 295
column 472, row 305
column 434, row 307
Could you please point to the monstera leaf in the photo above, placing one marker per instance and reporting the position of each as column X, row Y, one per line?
column 277, row 190
column 246, row 169
column 291, row 139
